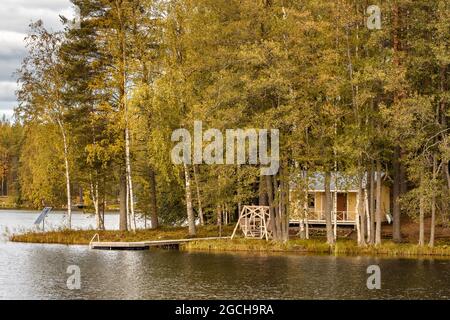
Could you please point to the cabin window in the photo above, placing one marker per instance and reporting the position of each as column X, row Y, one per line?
column 311, row 201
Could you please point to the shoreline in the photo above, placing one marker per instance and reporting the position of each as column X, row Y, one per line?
column 319, row 247
column 312, row 246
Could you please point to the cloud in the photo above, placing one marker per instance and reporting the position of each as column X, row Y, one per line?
column 12, row 52
column 6, row 109
column 15, row 17
column 8, row 67
column 11, row 44
column 7, row 91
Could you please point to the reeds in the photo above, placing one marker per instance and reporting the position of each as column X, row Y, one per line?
column 342, row 247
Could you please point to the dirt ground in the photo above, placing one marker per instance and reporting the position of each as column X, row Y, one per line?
column 410, row 230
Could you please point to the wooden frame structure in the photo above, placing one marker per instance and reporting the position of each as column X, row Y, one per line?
column 254, row 222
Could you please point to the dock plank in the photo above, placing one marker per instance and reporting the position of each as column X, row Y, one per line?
column 145, row 245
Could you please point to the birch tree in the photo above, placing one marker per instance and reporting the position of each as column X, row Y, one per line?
column 42, row 89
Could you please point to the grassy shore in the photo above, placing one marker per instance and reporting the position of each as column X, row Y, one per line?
column 83, row 237
column 314, row 246
column 318, row 246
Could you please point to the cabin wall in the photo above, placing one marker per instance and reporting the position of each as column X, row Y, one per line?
column 319, row 203
column 351, row 205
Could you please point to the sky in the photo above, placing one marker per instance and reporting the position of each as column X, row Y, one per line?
column 15, row 17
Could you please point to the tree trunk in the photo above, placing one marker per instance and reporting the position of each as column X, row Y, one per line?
column 263, row 201
column 446, row 168
column 153, row 201
column 372, row 204
column 367, row 212
column 361, row 213
column 306, row 207
column 67, row 172
column 301, row 225
column 284, row 212
column 358, row 220
column 129, row 178
column 304, row 216
column 446, row 195
column 272, row 214
column 433, row 205
column 225, row 218
column 219, row 216
column 96, row 202
column 103, row 211
column 378, row 205
column 403, row 178
column 433, row 221
column 328, row 206
column 123, row 95
column 199, row 197
column 128, row 203
column 103, row 203
column 421, row 221
column 123, row 225
column 189, row 207
column 277, row 206
column 396, row 235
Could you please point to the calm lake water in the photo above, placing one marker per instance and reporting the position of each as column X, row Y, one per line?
column 39, row 272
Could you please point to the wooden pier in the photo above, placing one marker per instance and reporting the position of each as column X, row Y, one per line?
column 145, row 245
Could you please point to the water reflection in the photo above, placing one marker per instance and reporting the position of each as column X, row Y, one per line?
column 39, row 272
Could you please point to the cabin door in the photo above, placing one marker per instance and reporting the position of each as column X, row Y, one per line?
column 341, row 206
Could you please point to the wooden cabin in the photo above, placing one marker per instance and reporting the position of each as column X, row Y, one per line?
column 344, row 191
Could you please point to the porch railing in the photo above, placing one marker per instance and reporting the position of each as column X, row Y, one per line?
column 338, row 215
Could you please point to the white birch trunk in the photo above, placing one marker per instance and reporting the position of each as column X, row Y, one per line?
column 67, row 173
column 128, row 204
column 421, row 221
column 302, row 231
column 369, row 223
column 361, row 215
column 199, row 198
column 335, row 215
column 96, row 202
column 378, row 206
column 189, row 207
column 433, row 221
column 433, row 205
column 129, row 179
column 358, row 226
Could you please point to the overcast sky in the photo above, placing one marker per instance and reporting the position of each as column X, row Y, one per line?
column 15, row 16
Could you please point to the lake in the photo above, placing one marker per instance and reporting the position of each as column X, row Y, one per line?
column 30, row 271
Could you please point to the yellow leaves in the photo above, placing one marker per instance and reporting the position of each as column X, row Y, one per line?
column 102, row 153
column 41, row 165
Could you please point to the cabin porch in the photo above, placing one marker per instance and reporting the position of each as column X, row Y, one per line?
column 341, row 218
column 344, row 206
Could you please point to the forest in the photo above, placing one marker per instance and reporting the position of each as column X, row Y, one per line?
column 98, row 103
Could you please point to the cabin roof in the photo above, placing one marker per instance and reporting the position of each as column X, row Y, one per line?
column 340, row 181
